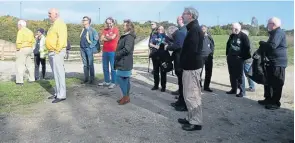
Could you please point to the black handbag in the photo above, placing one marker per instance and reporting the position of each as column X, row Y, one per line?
column 166, row 66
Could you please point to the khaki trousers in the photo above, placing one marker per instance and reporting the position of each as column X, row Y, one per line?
column 192, row 95
column 24, row 61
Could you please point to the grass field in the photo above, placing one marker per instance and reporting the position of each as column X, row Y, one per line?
column 220, row 45
column 13, row 97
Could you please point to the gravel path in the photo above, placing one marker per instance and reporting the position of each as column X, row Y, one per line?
column 91, row 114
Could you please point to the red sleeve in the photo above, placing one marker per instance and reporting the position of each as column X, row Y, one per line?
column 116, row 31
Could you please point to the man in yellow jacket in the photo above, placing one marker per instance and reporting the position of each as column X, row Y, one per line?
column 56, row 43
column 24, row 48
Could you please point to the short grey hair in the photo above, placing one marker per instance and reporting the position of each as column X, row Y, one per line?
column 192, row 11
column 277, row 22
column 171, row 30
column 22, row 23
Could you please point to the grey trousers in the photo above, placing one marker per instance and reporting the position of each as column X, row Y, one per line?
column 56, row 61
column 192, row 95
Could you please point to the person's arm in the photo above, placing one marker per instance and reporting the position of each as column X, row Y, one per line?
column 116, row 33
column 274, row 41
column 19, row 40
column 212, row 44
column 95, row 38
column 62, row 37
column 128, row 47
column 246, row 51
column 178, row 41
column 228, row 45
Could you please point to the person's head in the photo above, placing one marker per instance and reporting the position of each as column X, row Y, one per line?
column 86, row 21
column 110, row 22
column 40, row 32
column 245, row 31
column 273, row 23
column 153, row 25
column 53, row 14
column 189, row 14
column 171, row 30
column 180, row 21
column 236, row 28
column 160, row 30
column 128, row 26
column 204, row 29
column 21, row 24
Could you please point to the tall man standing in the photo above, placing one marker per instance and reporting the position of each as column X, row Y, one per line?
column 178, row 38
column 152, row 36
column 207, row 53
column 191, row 62
column 56, row 43
column 276, row 52
column 110, row 37
column 89, row 39
column 237, row 51
column 24, row 48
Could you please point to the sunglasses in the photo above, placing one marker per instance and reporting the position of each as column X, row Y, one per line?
column 85, row 20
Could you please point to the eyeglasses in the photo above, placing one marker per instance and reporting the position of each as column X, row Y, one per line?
column 85, row 20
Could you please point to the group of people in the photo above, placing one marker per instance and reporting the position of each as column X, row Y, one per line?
column 192, row 48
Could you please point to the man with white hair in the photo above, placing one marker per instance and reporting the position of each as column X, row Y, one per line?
column 191, row 62
column 178, row 38
column 237, row 51
column 56, row 43
column 276, row 51
column 24, row 48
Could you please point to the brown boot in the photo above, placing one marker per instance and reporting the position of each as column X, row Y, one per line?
column 124, row 100
column 118, row 101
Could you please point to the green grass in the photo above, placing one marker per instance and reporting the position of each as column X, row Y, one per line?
column 220, row 45
column 13, row 97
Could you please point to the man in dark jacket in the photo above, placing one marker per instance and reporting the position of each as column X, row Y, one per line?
column 207, row 53
column 237, row 51
column 276, row 51
column 153, row 35
column 191, row 62
column 178, row 38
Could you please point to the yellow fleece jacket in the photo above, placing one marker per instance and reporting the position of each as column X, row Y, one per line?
column 25, row 38
column 57, row 36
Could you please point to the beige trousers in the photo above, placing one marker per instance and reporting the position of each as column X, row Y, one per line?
column 192, row 95
column 24, row 62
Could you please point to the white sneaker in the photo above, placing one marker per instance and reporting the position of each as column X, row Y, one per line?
column 104, row 84
column 112, row 86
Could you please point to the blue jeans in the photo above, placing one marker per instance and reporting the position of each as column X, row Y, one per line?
column 108, row 58
column 251, row 83
column 87, row 58
column 124, row 83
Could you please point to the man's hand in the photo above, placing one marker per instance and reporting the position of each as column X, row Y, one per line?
column 157, row 46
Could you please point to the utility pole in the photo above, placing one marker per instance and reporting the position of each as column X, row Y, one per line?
column 159, row 17
column 98, row 15
column 20, row 10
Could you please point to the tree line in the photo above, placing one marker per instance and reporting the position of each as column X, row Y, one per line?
column 8, row 28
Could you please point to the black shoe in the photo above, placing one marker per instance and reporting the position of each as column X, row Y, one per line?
column 263, row 102
column 85, row 81
column 240, row 95
column 90, row 82
column 175, row 92
column 189, row 127
column 208, row 89
column 163, row 90
column 58, row 100
column 272, row 106
column 20, row 84
column 175, row 104
column 52, row 97
column 231, row 92
column 155, row 88
column 180, row 108
column 183, row 121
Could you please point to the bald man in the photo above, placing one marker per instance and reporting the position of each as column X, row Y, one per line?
column 237, row 51
column 276, row 51
column 56, row 43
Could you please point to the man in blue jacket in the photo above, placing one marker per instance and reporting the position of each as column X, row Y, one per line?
column 89, row 39
column 276, row 51
column 176, row 46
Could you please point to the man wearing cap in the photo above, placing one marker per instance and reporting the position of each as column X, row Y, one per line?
column 40, row 52
column 89, row 38
column 24, row 49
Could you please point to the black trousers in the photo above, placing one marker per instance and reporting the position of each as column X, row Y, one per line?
column 208, row 70
column 235, row 69
column 275, row 81
column 178, row 71
column 156, row 68
column 37, row 61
